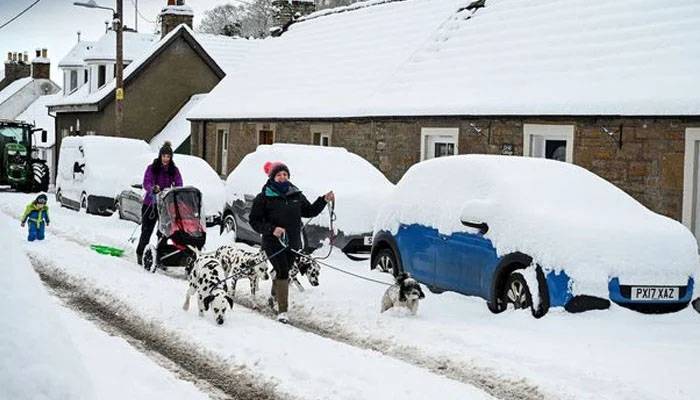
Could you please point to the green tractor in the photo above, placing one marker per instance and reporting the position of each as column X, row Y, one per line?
column 18, row 169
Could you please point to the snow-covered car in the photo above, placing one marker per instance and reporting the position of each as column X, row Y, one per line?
column 534, row 233
column 195, row 172
column 92, row 170
column 359, row 188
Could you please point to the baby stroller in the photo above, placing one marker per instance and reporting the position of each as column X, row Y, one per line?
column 181, row 230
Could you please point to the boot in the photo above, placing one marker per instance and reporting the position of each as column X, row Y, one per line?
column 272, row 300
column 282, row 294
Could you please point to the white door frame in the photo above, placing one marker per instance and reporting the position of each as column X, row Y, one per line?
column 690, row 171
column 557, row 132
column 425, row 132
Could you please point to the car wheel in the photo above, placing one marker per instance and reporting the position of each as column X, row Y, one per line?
column 118, row 209
column 385, row 261
column 498, row 305
column 59, row 197
column 696, row 304
column 150, row 258
column 517, row 293
column 84, row 203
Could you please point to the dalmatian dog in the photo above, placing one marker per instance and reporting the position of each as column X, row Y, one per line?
column 205, row 281
column 406, row 292
column 242, row 264
column 306, row 266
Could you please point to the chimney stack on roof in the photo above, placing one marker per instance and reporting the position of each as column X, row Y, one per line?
column 286, row 12
column 41, row 65
column 176, row 12
column 16, row 68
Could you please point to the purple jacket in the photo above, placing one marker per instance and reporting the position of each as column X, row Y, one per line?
column 162, row 178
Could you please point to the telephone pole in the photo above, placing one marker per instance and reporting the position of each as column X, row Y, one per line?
column 119, row 93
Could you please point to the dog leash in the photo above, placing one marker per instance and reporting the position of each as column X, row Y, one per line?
column 132, row 237
column 266, row 259
column 339, row 269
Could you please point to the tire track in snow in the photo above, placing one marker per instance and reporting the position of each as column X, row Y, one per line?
column 483, row 378
column 206, row 370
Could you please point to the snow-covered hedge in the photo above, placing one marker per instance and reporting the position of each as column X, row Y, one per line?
column 38, row 360
column 562, row 215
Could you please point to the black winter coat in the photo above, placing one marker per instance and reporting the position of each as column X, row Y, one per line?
column 272, row 209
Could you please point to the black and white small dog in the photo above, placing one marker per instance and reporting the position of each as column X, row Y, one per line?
column 243, row 264
column 205, row 280
column 306, row 266
column 406, row 292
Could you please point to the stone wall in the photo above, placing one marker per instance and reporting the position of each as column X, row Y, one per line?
column 648, row 165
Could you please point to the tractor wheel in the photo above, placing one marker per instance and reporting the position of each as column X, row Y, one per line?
column 40, row 177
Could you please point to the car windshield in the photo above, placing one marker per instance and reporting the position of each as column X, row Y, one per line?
column 13, row 134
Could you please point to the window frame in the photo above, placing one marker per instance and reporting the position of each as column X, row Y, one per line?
column 549, row 132
column 427, row 132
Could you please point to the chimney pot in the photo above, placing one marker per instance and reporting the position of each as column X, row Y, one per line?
column 44, row 53
column 26, row 57
column 9, row 56
column 38, row 53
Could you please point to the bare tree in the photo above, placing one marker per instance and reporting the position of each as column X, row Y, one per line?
column 253, row 19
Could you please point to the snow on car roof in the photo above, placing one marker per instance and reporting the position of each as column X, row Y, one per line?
column 436, row 57
column 358, row 185
column 560, row 214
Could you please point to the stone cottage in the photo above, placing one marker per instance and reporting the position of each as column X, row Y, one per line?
column 162, row 74
column 397, row 82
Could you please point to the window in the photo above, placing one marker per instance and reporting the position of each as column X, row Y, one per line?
column 321, row 134
column 101, row 75
column 85, row 76
column 555, row 142
column 438, row 142
column 73, row 80
column 266, row 136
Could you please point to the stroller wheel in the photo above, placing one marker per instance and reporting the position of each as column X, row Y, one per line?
column 150, row 258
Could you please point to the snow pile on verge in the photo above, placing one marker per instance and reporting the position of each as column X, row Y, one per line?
column 38, row 360
column 111, row 164
column 358, row 185
column 562, row 215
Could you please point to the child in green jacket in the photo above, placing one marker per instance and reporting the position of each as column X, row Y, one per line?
column 37, row 213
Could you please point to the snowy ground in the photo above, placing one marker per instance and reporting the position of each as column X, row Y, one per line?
column 453, row 342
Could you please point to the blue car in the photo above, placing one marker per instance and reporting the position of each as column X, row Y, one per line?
column 533, row 234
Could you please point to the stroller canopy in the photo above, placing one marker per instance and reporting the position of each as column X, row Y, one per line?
column 180, row 216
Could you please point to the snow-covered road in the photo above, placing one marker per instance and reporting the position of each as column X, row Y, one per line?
column 597, row 355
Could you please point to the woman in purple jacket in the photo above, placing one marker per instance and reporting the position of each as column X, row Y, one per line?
column 161, row 174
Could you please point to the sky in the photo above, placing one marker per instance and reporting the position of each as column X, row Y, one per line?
column 54, row 24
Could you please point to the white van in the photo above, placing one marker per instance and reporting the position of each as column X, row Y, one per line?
column 93, row 170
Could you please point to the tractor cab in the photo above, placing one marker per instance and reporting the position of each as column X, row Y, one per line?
column 18, row 169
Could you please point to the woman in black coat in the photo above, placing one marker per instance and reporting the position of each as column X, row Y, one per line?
column 276, row 214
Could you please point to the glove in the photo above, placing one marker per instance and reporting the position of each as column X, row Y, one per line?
column 22, row 224
column 156, row 189
column 47, row 223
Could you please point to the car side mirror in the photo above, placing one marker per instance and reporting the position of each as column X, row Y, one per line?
column 483, row 227
column 137, row 186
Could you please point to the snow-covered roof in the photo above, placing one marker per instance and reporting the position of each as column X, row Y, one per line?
column 76, row 55
column 183, row 9
column 435, row 57
column 230, row 51
column 178, row 128
column 135, row 45
column 38, row 114
column 13, row 88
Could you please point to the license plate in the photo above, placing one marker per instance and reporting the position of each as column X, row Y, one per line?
column 368, row 240
column 654, row 293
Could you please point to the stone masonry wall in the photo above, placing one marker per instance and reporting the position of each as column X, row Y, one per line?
column 648, row 166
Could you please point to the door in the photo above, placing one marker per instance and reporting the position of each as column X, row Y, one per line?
column 463, row 260
column 223, row 139
column 266, row 136
column 691, row 182
column 417, row 246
